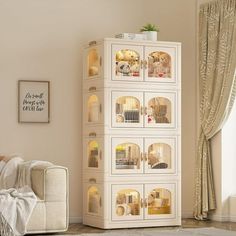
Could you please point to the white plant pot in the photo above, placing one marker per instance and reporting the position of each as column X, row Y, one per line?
column 151, row 35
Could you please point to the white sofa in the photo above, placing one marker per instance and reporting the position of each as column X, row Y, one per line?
column 50, row 184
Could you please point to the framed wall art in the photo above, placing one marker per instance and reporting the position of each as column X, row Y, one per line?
column 33, row 101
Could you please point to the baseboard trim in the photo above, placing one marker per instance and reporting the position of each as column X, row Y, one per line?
column 220, row 218
column 232, row 218
column 73, row 220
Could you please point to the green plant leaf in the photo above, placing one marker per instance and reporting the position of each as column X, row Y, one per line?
column 149, row 27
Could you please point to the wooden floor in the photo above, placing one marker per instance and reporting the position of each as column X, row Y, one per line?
column 186, row 223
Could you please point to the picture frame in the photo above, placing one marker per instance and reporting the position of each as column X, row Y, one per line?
column 33, row 101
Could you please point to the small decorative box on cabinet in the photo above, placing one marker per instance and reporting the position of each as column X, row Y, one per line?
column 131, row 133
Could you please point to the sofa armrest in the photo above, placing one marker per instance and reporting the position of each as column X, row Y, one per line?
column 50, row 183
column 51, row 213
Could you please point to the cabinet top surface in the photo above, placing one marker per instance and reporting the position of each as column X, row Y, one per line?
column 135, row 42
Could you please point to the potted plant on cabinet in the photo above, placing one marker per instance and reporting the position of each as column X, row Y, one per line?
column 150, row 30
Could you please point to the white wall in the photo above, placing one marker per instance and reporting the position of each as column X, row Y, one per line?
column 228, row 161
column 223, row 151
column 42, row 39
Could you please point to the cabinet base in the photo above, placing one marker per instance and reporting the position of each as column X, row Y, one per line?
column 106, row 224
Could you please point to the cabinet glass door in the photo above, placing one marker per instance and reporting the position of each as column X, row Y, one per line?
column 126, row 155
column 93, row 108
column 127, row 62
column 160, row 201
column 94, row 200
column 93, row 61
column 160, row 110
column 93, row 158
column 126, row 109
column 127, row 202
column 160, row 155
column 161, row 64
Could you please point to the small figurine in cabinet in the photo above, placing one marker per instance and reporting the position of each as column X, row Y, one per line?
column 127, row 203
column 159, row 110
column 93, row 62
column 123, row 68
column 160, row 114
column 127, row 63
column 127, row 110
column 159, row 202
column 93, row 200
column 159, row 65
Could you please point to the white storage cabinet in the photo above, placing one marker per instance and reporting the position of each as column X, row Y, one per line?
column 131, row 133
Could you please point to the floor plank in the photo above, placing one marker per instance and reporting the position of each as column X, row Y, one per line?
column 186, row 223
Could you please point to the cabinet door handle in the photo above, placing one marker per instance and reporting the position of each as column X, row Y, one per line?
column 100, row 61
column 141, row 64
column 100, row 202
column 141, row 203
column 141, row 110
column 100, row 155
column 145, row 111
column 141, row 154
column 100, row 108
column 144, row 64
column 91, row 43
column 145, row 203
column 92, row 180
column 92, row 89
column 145, row 156
column 92, row 134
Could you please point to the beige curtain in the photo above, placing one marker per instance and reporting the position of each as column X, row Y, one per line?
column 217, row 63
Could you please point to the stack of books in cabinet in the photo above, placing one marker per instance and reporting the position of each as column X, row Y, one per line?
column 131, row 133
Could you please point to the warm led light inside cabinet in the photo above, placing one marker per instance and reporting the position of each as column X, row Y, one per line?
column 127, row 202
column 159, row 156
column 93, row 63
column 159, row 65
column 159, row 202
column 127, row 63
column 93, row 200
column 159, row 110
column 127, row 110
column 93, row 108
column 92, row 154
column 127, row 156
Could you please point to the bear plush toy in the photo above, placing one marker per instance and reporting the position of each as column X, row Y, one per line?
column 123, row 68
